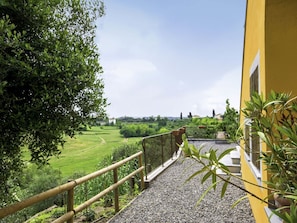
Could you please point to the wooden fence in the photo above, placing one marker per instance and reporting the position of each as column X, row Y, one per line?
column 69, row 187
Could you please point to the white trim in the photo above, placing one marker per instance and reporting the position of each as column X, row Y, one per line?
column 248, row 157
column 272, row 217
column 255, row 64
column 254, row 169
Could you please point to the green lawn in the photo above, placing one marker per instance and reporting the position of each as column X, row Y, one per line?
column 83, row 152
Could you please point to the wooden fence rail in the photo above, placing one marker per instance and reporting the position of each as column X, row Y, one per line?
column 69, row 187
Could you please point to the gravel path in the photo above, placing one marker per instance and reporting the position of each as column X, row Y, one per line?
column 170, row 200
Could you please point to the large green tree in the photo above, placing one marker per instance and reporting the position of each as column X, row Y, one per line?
column 50, row 78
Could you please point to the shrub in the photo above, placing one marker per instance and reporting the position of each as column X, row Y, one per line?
column 42, row 179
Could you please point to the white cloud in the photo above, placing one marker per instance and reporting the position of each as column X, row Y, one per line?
column 155, row 64
column 225, row 87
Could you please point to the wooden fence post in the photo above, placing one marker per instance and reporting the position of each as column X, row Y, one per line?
column 141, row 172
column 116, row 190
column 70, row 202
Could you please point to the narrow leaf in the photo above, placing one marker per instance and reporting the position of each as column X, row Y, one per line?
column 196, row 173
column 206, row 176
column 206, row 192
column 239, row 200
column 226, row 152
column 224, row 188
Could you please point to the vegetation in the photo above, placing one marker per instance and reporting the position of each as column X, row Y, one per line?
column 137, row 130
column 207, row 127
column 45, row 177
column 203, row 128
column 230, row 123
column 50, row 83
column 274, row 121
column 136, row 127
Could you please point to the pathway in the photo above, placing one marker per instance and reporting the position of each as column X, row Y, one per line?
column 170, row 200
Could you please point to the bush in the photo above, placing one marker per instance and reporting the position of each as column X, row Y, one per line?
column 136, row 130
column 42, row 179
column 34, row 181
column 92, row 187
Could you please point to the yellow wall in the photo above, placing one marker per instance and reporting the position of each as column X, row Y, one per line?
column 271, row 42
column 254, row 44
column 254, row 52
column 281, row 46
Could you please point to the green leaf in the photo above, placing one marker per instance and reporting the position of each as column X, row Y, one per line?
column 224, row 168
column 239, row 200
column 213, row 155
column 206, row 176
column 263, row 137
column 206, row 192
column 197, row 173
column 226, row 152
column 214, row 180
column 224, row 187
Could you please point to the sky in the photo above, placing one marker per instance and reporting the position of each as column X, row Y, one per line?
column 166, row 57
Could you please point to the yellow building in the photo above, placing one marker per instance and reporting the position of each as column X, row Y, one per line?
column 269, row 63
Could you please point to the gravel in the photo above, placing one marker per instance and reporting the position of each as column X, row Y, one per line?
column 170, row 200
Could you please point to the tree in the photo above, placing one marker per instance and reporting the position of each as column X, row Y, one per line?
column 50, row 80
column 161, row 121
column 230, row 122
column 190, row 115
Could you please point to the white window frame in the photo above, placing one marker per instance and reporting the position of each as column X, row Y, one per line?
column 257, row 172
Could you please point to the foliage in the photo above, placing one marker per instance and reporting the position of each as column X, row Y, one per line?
column 211, row 163
column 202, row 132
column 125, row 151
column 42, row 179
column 155, row 124
column 91, row 188
column 204, row 128
column 205, row 121
column 163, row 130
column 50, row 81
column 35, row 180
column 137, row 130
column 274, row 121
column 90, row 215
column 161, row 121
column 230, row 123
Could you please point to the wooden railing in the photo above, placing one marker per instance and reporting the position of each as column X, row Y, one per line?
column 69, row 187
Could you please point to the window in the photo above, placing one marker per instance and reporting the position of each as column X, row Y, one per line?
column 252, row 144
column 254, row 81
column 255, row 149
column 247, row 139
column 252, row 140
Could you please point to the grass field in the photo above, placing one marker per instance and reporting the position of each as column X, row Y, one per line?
column 83, row 152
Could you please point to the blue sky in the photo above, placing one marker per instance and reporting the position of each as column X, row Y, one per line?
column 164, row 57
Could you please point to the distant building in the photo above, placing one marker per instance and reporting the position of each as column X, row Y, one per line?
column 219, row 117
column 112, row 121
